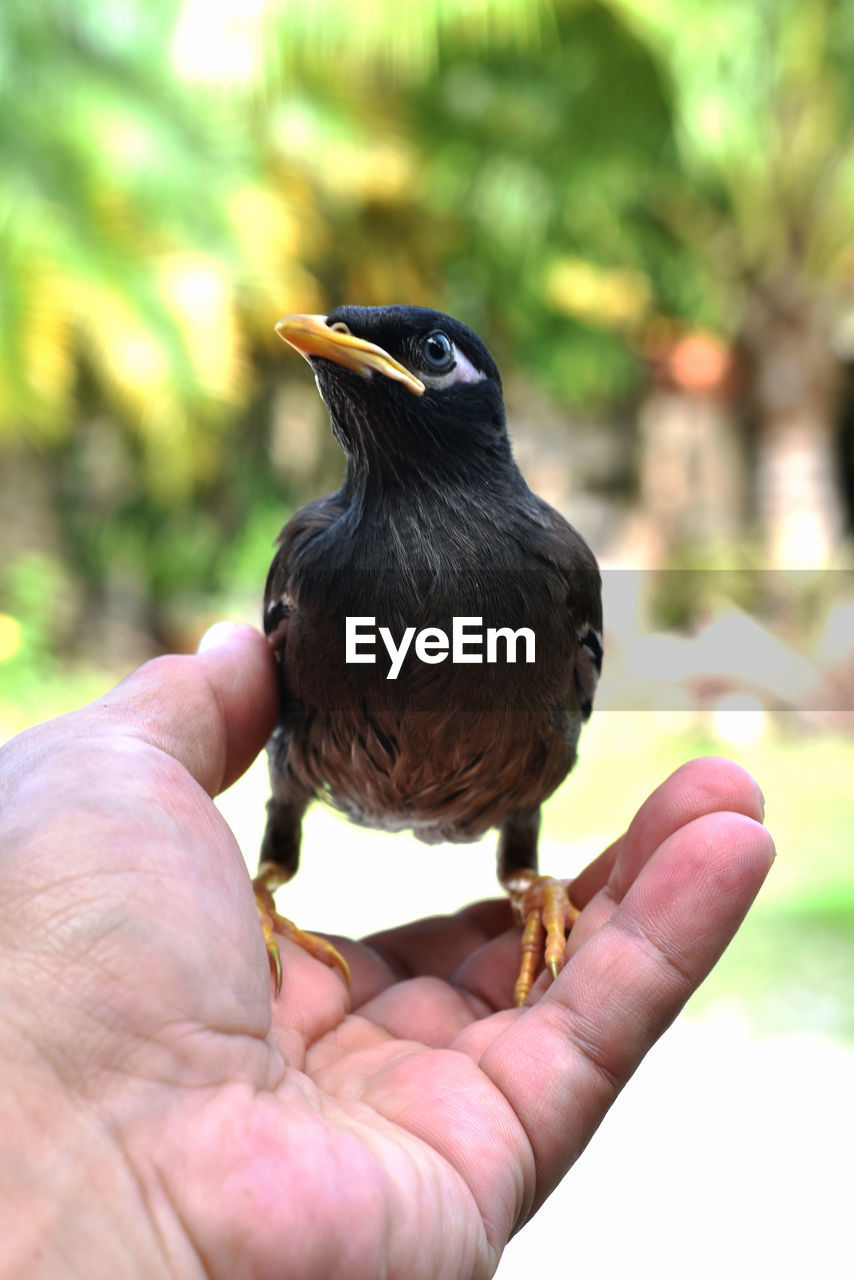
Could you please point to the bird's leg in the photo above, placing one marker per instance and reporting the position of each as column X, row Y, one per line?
column 269, row 878
column 541, row 904
column 279, row 862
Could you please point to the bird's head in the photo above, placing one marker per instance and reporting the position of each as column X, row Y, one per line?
column 404, row 385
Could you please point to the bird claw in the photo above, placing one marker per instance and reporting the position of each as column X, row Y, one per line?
column 543, row 905
column 314, row 945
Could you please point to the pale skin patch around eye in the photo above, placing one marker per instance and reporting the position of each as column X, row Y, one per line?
column 463, row 371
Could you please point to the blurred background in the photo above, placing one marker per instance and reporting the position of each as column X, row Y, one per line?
column 646, row 208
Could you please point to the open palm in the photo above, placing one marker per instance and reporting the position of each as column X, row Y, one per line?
column 406, row 1128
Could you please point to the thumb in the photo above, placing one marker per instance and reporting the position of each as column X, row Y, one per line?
column 212, row 711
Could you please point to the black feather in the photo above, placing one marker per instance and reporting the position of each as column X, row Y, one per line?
column 433, row 521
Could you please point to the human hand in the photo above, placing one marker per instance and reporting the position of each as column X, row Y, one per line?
column 164, row 1117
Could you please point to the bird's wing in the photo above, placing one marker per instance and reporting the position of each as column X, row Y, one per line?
column 565, row 548
column 309, row 521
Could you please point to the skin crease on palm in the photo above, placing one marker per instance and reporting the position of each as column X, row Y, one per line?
column 163, row 1116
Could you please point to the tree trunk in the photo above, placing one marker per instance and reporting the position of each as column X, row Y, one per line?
column 794, row 390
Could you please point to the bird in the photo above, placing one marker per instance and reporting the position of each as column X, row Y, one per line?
column 434, row 534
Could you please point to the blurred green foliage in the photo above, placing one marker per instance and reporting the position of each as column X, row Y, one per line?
column 33, row 682
column 575, row 178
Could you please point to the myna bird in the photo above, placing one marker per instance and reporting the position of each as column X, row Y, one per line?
column 434, row 535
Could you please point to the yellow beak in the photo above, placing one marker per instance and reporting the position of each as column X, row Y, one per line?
column 311, row 336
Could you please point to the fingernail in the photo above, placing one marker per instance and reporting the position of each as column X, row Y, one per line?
column 217, row 637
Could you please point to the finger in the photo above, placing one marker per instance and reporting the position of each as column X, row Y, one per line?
column 562, row 1063
column 489, row 974
column 438, row 945
column 442, row 947
column 594, row 876
column 240, row 665
column 708, row 784
column 212, row 712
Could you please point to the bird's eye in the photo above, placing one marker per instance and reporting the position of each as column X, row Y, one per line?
column 438, row 350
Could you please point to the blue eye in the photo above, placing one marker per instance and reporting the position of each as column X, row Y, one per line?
column 438, row 350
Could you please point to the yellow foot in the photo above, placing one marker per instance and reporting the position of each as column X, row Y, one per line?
column 543, row 908
column 272, row 922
